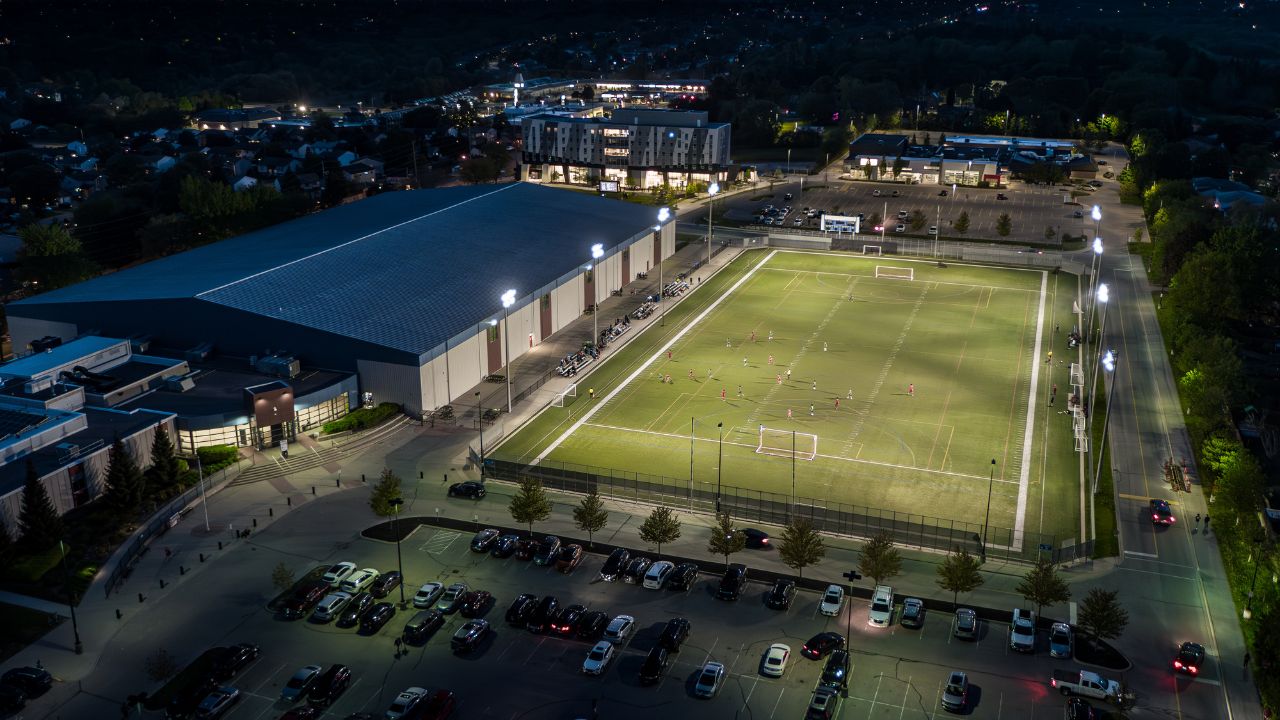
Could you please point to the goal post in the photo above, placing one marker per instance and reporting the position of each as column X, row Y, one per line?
column 566, row 396
column 896, row 273
column 787, row 443
column 872, row 250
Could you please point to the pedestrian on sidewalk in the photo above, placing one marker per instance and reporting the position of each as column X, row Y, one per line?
column 1197, row 519
column 1246, row 658
column 1206, row 522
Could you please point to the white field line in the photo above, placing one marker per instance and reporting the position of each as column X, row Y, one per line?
column 1028, row 435
column 660, row 351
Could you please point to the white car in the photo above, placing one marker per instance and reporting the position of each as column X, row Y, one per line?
column 709, row 680
column 360, row 580
column 619, row 629
column 1022, row 632
column 832, row 600
column 598, row 659
column 881, row 606
column 775, row 660
column 901, row 228
column 428, row 594
column 933, row 229
column 405, row 702
column 331, row 607
column 449, row 601
column 658, row 573
column 339, row 572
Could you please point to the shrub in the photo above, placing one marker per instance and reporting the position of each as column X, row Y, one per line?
column 362, row 418
column 215, row 457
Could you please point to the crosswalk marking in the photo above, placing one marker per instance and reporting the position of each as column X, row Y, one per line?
column 439, row 542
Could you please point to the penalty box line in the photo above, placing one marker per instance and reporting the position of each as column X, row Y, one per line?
column 645, row 366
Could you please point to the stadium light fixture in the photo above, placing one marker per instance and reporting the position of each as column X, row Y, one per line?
column 711, row 210
column 1097, row 246
column 508, row 299
column 664, row 214
column 1096, row 214
column 597, row 251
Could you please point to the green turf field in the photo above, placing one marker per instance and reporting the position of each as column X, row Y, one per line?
column 972, row 340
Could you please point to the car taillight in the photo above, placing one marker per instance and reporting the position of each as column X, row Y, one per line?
column 1054, row 682
column 1155, row 517
column 1193, row 669
column 1177, row 664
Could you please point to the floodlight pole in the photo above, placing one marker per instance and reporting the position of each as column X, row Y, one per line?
column 508, row 299
column 711, row 208
column 793, row 472
column 596, row 251
column 719, row 464
column 204, row 496
column 1104, row 297
column 987, row 521
column 1110, row 361
column 848, row 624
column 663, row 215
column 480, row 423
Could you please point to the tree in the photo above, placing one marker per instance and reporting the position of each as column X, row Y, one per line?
column 1004, row 225
column 282, row 577
column 879, row 559
column 801, row 546
column 962, row 223
column 124, row 482
column 39, row 524
column 53, row 258
column 1101, row 615
column 725, row 539
column 336, row 189
column 1042, row 585
column 6, row 543
column 530, row 504
column 590, row 515
column 386, row 490
column 662, row 526
column 160, row 665
column 960, row 573
column 165, row 468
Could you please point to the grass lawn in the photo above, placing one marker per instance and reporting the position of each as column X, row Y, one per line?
column 972, row 340
column 21, row 627
column 30, row 568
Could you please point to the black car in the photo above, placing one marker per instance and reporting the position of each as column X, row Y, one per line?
column 304, row 598
column 475, row 603
column 683, row 577
column 1190, row 658
column 469, row 489
column 330, row 685
column 821, row 644
column 757, row 539
column 542, row 615
column 591, row 625
column 732, row 582
column 615, row 564
column 674, row 634
column 655, row 664
column 469, row 635
column 521, row 608
column 377, row 616
column 32, row 681
column 566, row 620
column 635, row 570
column 547, row 550
column 505, row 546
column 1079, row 709
column 423, row 624
column 836, row 671
column 781, row 594
column 12, row 698
column 184, row 702
column 355, row 609
column 525, row 549
column 484, row 540
column 385, row 583
column 228, row 661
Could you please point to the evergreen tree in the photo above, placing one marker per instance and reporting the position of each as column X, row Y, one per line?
column 960, row 573
column 39, row 524
column 387, row 489
column 590, row 515
column 1043, row 586
column 1102, row 616
column 801, row 546
column 6, row 544
column 1004, row 225
column 530, row 504
column 662, row 526
column 725, row 539
column 164, row 470
column 962, row 223
column 880, row 559
column 124, row 485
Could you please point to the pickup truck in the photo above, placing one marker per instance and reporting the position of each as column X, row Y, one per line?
column 1083, row 682
column 1022, row 631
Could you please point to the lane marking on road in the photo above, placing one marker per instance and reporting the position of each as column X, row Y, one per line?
column 1141, row 554
column 439, row 542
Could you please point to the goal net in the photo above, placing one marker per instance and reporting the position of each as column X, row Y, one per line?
column 566, row 396
column 787, row 443
column 872, row 250
column 899, row 273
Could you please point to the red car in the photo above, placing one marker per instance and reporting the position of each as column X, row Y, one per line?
column 475, row 603
column 438, row 705
column 569, row 557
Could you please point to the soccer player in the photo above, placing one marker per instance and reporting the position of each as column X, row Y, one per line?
column 911, row 389
column 739, row 391
column 815, row 384
column 849, row 395
column 824, row 346
column 788, row 374
column 690, row 373
column 837, row 403
column 788, row 413
column 721, row 393
column 778, row 378
column 810, row 409
column 753, row 336
column 744, row 361
column 770, row 336
column 770, row 359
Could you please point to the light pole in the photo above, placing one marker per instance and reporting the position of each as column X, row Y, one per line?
column 1109, row 362
column 596, row 251
column 663, row 215
column 508, row 299
column 986, row 521
column 1096, row 214
column 691, row 461
column 1253, row 584
column 711, row 208
column 480, row 424
column 848, row 624
column 1103, row 296
column 71, row 598
column 1095, row 271
column 719, row 462
column 788, row 161
column 204, row 497
column 395, row 528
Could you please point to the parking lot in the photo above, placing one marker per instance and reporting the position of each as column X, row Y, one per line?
column 897, row 672
column 1031, row 208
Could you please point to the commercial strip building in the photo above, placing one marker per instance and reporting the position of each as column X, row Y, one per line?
column 635, row 148
column 968, row 160
column 395, row 298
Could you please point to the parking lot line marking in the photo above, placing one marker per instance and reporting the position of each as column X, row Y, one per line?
column 777, row 702
column 746, row 700
column 271, row 675
column 439, row 542
column 875, row 698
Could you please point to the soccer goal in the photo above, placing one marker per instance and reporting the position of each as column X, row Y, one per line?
column 898, row 273
column 872, row 250
column 787, row 443
column 566, row 396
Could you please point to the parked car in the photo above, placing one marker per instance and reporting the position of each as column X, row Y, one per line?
column 615, row 564
column 338, row 572
column 821, row 645
column 1079, row 709
column 428, row 594
column 635, row 570
column 359, row 581
column 598, row 658
column 566, row 620
column 451, row 599
column 824, row 705
column 226, row 662
column 12, row 699
column 475, row 603
column 881, row 613
column 469, row 636
column 304, row 598
column 32, row 681
column 933, row 229
column 377, row 616
column 900, row 228
column 547, row 550
column 912, row 613
column 470, row 489
column 683, row 577
column 1061, row 642
column 422, row 624
column 735, row 578
column 330, row 607
column 966, row 624
column 385, row 583
column 217, row 703
column 542, row 615
column 655, row 665
column 1190, row 658
column 484, row 540
column 303, row 712
column 438, row 705
column 1022, row 631
column 674, row 633
column 774, row 663
column 300, row 683
column 836, row 671
column 525, row 549
column 955, row 694
column 520, row 609
column 355, row 610
column 832, row 600
column 658, row 574
column 330, row 686
column 781, row 594
column 505, row 546
column 619, row 629
column 1001, row 196
column 592, row 625
column 405, row 703
column 756, row 539
column 569, row 558
column 709, row 680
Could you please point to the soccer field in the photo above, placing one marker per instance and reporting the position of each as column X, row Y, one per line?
column 898, row 393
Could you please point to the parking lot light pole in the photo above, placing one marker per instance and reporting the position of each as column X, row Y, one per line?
column 71, row 599
column 719, row 462
column 987, row 521
column 711, row 209
column 480, row 424
column 848, row 624
column 508, row 299
column 395, row 528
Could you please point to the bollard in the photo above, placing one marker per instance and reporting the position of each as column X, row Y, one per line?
column 161, row 583
column 271, row 512
column 119, row 614
column 182, row 570
column 255, row 522
column 288, row 501
column 219, row 544
column 201, row 557
column 313, row 489
column 362, row 478
column 337, row 482
column 419, row 474
column 446, row 477
column 142, row 598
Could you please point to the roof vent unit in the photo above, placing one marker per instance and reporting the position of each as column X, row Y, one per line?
column 46, row 343
column 281, row 366
column 67, row 450
column 179, row 384
column 140, row 343
column 199, row 352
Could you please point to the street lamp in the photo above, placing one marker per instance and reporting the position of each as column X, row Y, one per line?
column 719, row 463
column 71, row 598
column 711, row 208
column 1103, row 296
column 596, row 251
column 508, row 299
column 480, row 423
column 1109, row 362
column 395, row 528
column 1095, row 271
column 848, row 624
column 663, row 215
column 1253, row 584
column 987, row 521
